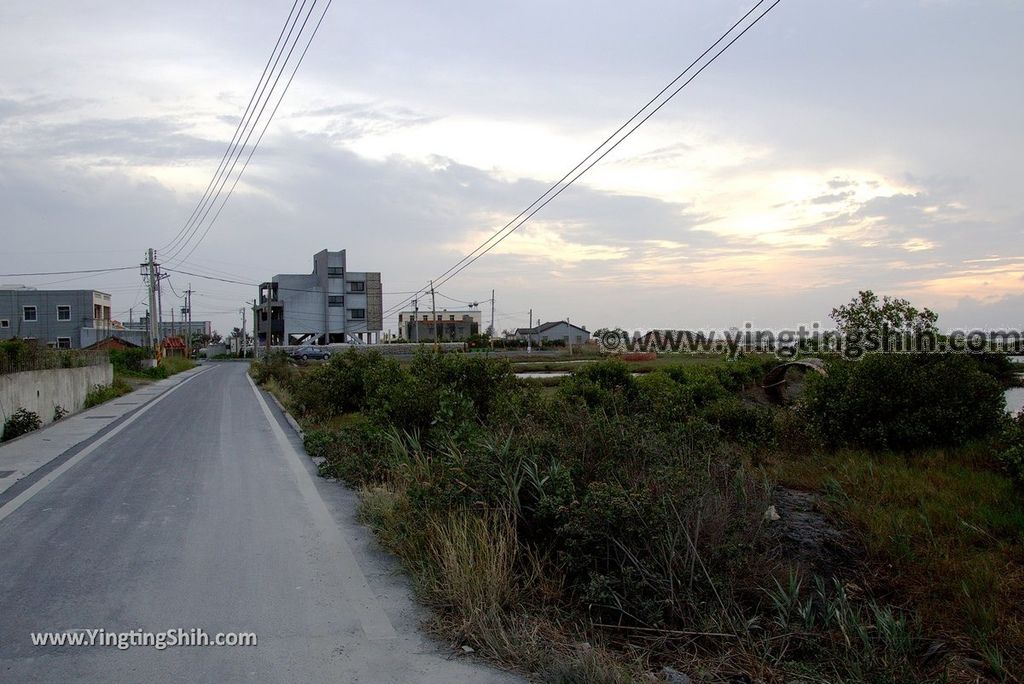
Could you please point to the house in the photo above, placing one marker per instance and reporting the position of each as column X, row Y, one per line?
column 445, row 325
column 554, row 331
column 331, row 304
column 112, row 342
column 63, row 319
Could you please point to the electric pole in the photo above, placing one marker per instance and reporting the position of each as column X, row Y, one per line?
column 186, row 317
column 529, row 334
column 416, row 319
column 255, row 329
column 433, row 308
column 570, row 334
column 241, row 335
column 491, row 331
column 150, row 272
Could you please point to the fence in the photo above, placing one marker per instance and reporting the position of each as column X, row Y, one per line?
column 16, row 357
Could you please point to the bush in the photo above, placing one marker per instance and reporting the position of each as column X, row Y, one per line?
column 103, row 393
column 607, row 384
column 277, row 366
column 336, row 387
column 1012, row 454
column 130, row 360
column 903, row 401
column 20, row 422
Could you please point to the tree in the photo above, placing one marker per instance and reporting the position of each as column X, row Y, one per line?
column 866, row 314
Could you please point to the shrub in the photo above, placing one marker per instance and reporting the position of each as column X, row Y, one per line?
column 1012, row 454
column 277, row 366
column 103, row 393
column 902, row 401
column 130, row 360
column 59, row 412
column 19, row 423
column 606, row 383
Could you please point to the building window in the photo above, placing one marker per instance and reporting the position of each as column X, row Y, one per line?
column 425, row 317
column 451, row 318
column 355, row 286
column 335, row 300
column 28, row 313
column 357, row 314
column 63, row 313
column 63, row 343
column 5, row 323
column 335, row 271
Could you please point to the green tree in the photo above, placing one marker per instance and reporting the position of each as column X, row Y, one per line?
column 868, row 314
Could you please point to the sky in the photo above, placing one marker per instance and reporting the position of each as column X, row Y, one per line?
column 836, row 147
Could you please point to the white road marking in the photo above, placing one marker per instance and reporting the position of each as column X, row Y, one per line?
column 372, row 619
column 16, row 503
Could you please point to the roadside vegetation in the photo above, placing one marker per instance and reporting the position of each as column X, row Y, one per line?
column 614, row 525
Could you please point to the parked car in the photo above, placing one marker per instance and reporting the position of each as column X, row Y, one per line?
column 310, row 352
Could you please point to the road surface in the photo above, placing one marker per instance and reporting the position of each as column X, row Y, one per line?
column 199, row 511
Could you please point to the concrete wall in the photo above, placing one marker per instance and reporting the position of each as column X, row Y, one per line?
column 41, row 391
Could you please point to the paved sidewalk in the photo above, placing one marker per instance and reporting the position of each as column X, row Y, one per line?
column 24, row 455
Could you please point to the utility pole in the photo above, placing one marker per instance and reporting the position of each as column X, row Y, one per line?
column 241, row 335
column 433, row 308
column 255, row 329
column 570, row 334
column 186, row 316
column 529, row 335
column 416, row 319
column 491, row 331
column 150, row 272
column 159, row 305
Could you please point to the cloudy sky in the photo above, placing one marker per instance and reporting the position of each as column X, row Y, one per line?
column 840, row 145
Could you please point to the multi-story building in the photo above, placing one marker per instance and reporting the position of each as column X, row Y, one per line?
column 331, row 304
column 64, row 319
column 448, row 326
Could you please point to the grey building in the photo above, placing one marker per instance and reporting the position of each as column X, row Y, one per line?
column 450, row 326
column 64, row 319
column 554, row 331
column 331, row 304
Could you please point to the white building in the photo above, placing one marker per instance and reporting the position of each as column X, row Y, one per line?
column 331, row 304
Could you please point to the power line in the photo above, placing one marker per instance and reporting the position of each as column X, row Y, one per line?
column 252, row 151
column 255, row 122
column 562, row 184
column 49, row 273
column 242, row 125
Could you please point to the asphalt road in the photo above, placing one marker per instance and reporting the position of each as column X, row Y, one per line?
column 202, row 513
